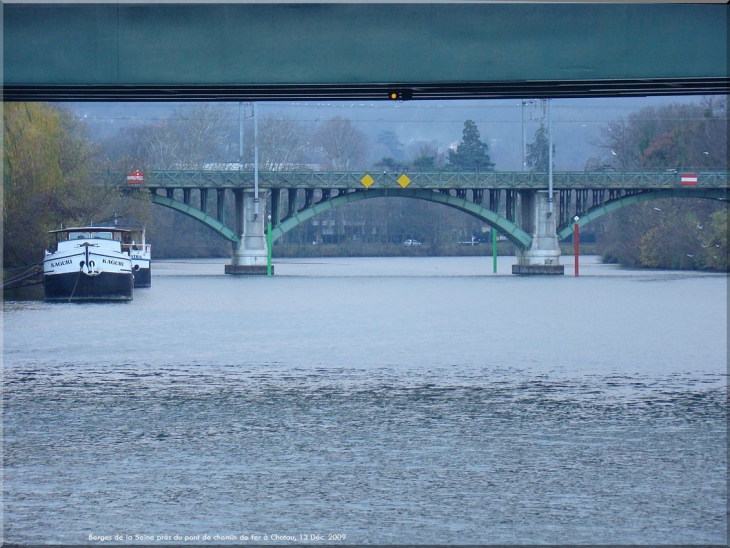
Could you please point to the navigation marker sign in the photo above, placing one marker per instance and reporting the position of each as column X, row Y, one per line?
column 689, row 179
column 404, row 181
column 367, row 180
column 135, row 178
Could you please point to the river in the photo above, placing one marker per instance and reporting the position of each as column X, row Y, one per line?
column 372, row 401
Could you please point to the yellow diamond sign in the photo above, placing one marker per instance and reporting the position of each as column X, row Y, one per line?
column 367, row 180
column 404, row 181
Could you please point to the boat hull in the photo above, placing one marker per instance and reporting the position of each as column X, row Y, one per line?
column 141, row 263
column 89, row 265
column 142, row 272
column 142, row 276
column 78, row 286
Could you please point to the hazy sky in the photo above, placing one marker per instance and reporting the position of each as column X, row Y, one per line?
column 575, row 122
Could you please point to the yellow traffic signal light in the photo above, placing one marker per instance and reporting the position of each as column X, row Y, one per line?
column 400, row 94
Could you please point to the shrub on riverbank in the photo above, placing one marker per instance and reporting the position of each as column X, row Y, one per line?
column 675, row 234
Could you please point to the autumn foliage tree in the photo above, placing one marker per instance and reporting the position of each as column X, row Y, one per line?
column 686, row 136
column 47, row 161
column 674, row 233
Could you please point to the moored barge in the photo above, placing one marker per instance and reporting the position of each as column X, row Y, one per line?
column 88, row 264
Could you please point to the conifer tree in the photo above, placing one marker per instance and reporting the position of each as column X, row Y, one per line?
column 537, row 151
column 471, row 153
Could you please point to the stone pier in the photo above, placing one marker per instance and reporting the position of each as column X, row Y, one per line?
column 543, row 256
column 250, row 254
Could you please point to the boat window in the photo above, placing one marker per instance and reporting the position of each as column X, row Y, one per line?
column 79, row 236
column 102, row 235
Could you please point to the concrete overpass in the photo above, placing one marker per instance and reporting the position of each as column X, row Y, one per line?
column 277, row 51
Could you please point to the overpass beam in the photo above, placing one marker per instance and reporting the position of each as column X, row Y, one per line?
column 543, row 255
column 250, row 253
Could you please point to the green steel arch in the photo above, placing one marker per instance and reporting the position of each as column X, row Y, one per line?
column 513, row 233
column 196, row 214
column 613, row 205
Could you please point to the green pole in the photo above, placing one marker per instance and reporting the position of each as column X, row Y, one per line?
column 268, row 247
column 494, row 250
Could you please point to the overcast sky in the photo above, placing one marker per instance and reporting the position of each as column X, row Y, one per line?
column 575, row 122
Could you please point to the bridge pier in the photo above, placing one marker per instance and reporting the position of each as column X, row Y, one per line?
column 543, row 256
column 250, row 254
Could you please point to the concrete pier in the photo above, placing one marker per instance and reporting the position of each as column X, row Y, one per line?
column 543, row 256
column 250, row 254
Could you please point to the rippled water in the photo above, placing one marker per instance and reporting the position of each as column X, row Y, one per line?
column 393, row 401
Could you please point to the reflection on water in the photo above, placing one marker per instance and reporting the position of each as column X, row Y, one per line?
column 394, row 401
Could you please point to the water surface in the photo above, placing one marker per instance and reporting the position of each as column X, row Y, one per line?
column 394, row 401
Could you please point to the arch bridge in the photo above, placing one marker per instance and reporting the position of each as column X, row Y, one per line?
column 514, row 203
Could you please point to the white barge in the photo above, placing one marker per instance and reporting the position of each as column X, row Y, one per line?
column 88, row 264
column 134, row 244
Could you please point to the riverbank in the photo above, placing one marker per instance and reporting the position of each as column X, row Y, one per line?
column 354, row 249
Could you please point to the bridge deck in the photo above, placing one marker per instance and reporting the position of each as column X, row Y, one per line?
column 418, row 180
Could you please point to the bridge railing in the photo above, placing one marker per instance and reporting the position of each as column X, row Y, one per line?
column 510, row 180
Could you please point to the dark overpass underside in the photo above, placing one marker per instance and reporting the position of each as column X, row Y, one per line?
column 269, row 52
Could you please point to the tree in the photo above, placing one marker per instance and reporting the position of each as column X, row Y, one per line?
column 389, row 164
column 46, row 165
column 342, row 145
column 471, row 153
column 390, row 140
column 150, row 146
column 427, row 156
column 282, row 142
column 537, row 151
column 674, row 233
column 201, row 130
column 192, row 136
column 424, row 163
column 714, row 243
column 691, row 136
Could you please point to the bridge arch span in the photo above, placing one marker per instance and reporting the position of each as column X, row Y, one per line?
column 196, row 214
column 513, row 232
column 618, row 203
